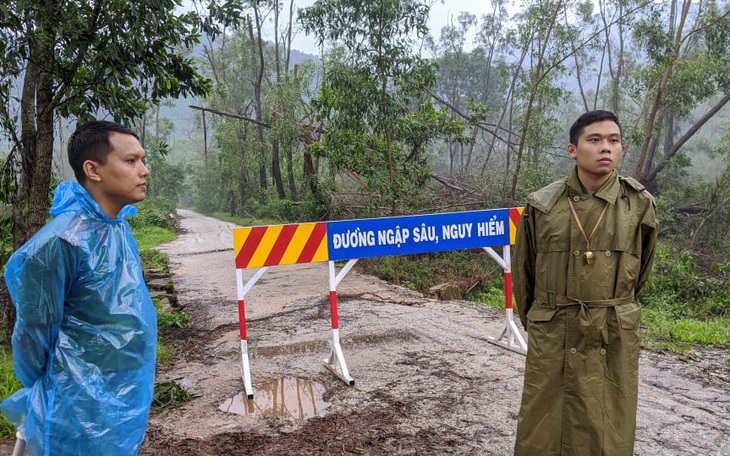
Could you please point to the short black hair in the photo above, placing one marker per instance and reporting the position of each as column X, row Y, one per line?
column 588, row 118
column 90, row 141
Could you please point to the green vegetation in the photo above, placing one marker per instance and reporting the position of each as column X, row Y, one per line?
column 9, row 383
column 167, row 320
column 662, row 331
column 170, row 394
column 473, row 271
column 684, row 306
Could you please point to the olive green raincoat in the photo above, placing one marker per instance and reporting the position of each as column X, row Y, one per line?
column 582, row 320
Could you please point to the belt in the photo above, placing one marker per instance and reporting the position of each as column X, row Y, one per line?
column 551, row 300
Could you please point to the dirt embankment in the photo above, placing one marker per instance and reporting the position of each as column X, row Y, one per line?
column 427, row 381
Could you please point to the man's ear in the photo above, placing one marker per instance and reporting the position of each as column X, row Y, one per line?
column 91, row 170
column 571, row 151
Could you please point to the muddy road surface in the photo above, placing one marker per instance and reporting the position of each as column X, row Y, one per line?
column 427, row 381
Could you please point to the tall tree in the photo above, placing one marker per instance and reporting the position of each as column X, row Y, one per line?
column 81, row 59
column 379, row 117
column 684, row 79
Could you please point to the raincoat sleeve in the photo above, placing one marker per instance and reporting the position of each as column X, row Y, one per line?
column 523, row 264
column 649, row 232
column 38, row 278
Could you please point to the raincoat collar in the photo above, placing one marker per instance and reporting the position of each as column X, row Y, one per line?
column 70, row 196
column 609, row 192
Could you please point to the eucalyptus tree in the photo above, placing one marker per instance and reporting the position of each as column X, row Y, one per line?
column 258, row 109
column 378, row 116
column 542, row 42
column 684, row 81
column 459, row 74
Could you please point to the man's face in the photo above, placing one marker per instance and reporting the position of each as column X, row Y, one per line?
column 124, row 175
column 598, row 149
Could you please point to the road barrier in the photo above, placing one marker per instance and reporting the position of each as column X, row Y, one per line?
column 350, row 240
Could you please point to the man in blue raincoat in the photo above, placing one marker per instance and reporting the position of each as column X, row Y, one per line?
column 85, row 336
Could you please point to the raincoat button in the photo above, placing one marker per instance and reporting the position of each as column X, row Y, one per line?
column 603, row 351
column 573, row 351
column 576, row 252
column 608, row 253
column 576, row 198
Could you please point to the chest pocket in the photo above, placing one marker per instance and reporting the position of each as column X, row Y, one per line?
column 552, row 232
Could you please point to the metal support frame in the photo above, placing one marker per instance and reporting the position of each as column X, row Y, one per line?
column 242, row 290
column 19, row 449
column 336, row 360
column 514, row 340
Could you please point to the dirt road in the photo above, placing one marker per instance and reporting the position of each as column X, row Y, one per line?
column 427, row 382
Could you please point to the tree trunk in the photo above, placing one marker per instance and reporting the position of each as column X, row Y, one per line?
column 7, row 314
column 257, row 67
column 31, row 201
column 276, row 170
column 649, row 129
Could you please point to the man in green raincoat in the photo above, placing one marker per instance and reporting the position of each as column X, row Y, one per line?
column 584, row 249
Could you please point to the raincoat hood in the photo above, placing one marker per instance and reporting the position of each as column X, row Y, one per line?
column 72, row 197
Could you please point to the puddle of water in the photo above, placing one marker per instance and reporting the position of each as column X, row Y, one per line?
column 286, row 397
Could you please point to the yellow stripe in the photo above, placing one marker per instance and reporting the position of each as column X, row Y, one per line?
column 298, row 241
column 267, row 243
column 513, row 227
column 239, row 238
column 322, row 253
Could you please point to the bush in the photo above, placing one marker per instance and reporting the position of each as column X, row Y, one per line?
column 680, row 289
column 158, row 212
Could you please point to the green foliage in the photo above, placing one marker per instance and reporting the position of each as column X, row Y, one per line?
column 167, row 320
column 171, row 394
column 154, row 224
column 679, row 289
column 469, row 269
column 151, row 258
column 166, row 180
column 380, row 121
column 154, row 211
column 9, row 384
column 92, row 69
column 663, row 331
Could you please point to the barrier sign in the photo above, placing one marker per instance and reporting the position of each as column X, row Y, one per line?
column 417, row 234
column 274, row 245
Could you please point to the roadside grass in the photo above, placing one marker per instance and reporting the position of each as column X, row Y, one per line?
column 9, row 384
column 171, row 394
column 151, row 236
column 661, row 331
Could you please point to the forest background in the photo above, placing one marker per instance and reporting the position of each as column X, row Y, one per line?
column 390, row 118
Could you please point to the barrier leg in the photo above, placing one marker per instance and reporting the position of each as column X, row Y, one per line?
column 19, row 449
column 245, row 368
column 336, row 361
column 514, row 340
column 242, row 290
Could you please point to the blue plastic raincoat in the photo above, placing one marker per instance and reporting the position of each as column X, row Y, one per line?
column 85, row 335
